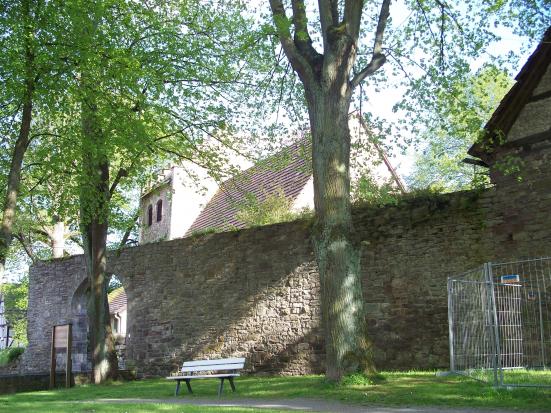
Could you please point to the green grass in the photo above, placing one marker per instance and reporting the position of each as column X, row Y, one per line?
column 515, row 376
column 395, row 389
column 75, row 407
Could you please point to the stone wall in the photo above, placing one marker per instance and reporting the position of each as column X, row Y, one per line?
column 17, row 383
column 255, row 292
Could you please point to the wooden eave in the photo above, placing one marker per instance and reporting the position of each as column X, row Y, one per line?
column 518, row 96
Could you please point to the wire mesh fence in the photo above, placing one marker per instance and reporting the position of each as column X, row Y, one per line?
column 9, row 320
column 500, row 323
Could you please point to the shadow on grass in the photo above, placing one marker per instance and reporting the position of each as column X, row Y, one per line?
column 399, row 389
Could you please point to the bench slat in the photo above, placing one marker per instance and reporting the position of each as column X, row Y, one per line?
column 209, row 362
column 207, row 376
column 213, row 367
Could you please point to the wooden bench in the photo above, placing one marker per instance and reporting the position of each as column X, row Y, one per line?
column 210, row 369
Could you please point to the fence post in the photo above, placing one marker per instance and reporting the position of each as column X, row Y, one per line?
column 542, row 335
column 498, row 381
column 451, row 324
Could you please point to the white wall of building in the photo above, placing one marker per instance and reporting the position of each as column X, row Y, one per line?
column 305, row 199
column 189, row 197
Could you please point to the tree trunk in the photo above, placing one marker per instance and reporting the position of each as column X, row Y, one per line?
column 329, row 80
column 346, row 343
column 104, row 357
column 94, row 204
column 58, row 239
column 14, row 177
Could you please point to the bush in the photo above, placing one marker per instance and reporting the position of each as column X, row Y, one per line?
column 361, row 379
column 9, row 355
column 271, row 208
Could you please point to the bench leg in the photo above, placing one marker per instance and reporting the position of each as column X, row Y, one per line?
column 221, row 387
column 188, row 384
column 177, row 388
column 231, row 384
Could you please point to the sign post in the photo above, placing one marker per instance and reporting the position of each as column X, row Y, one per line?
column 62, row 336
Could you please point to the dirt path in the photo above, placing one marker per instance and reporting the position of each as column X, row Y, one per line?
column 300, row 405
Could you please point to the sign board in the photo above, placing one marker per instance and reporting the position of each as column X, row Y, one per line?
column 510, row 279
column 61, row 340
column 61, row 335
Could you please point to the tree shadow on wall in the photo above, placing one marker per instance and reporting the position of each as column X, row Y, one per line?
column 254, row 295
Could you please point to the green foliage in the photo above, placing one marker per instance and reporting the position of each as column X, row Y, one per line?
column 510, row 164
column 15, row 306
column 449, row 123
column 357, row 379
column 367, row 191
column 205, row 231
column 113, row 284
column 271, row 208
column 9, row 355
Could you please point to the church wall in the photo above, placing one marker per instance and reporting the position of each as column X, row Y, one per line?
column 305, row 198
column 158, row 230
column 189, row 198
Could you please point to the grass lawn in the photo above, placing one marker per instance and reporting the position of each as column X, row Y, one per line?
column 397, row 389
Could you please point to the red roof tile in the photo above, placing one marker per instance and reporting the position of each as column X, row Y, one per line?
column 288, row 171
column 117, row 300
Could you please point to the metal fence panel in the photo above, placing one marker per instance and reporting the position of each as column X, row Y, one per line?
column 500, row 323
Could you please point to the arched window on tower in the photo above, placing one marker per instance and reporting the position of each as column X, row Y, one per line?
column 149, row 215
column 159, row 210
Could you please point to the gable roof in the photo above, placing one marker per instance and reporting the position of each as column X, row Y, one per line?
column 117, row 300
column 511, row 105
column 288, row 171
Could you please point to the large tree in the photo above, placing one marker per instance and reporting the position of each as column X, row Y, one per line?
column 19, row 32
column 333, row 49
column 329, row 82
column 30, row 69
column 148, row 82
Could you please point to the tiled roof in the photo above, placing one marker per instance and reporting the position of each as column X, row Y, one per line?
column 288, row 171
column 511, row 105
column 117, row 300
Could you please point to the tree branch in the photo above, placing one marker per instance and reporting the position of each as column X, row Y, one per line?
column 127, row 233
column 297, row 60
column 378, row 58
column 42, row 231
column 77, row 240
column 353, row 17
column 445, row 7
column 302, row 38
column 19, row 237
column 327, row 9
column 121, row 173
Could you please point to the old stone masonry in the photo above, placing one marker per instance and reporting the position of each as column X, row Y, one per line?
column 255, row 292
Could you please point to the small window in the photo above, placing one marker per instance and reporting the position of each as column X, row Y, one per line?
column 159, row 210
column 115, row 324
column 149, row 215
